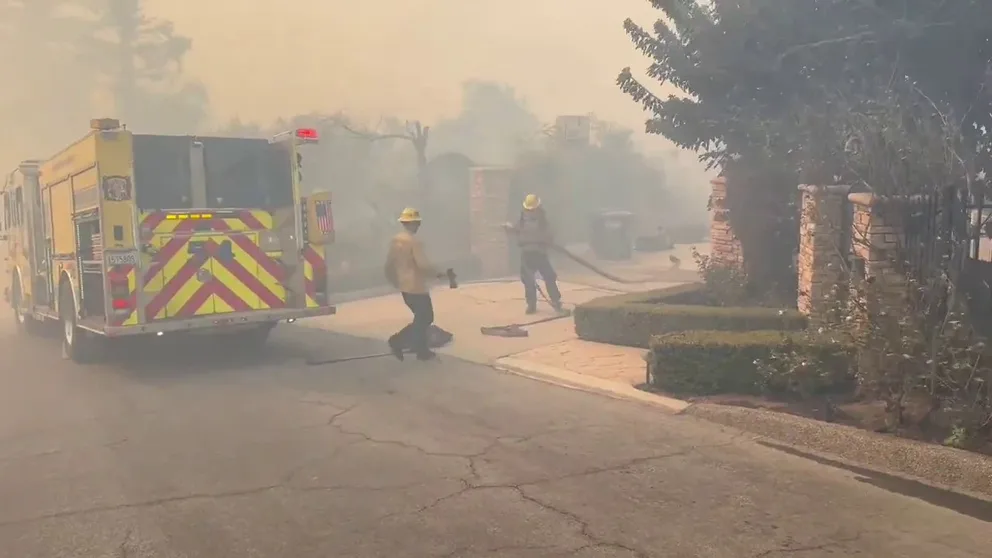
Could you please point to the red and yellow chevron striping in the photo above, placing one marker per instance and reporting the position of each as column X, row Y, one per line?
column 314, row 273
column 212, row 263
column 209, row 278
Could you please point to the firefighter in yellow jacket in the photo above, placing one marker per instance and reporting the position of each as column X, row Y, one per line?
column 408, row 269
column 534, row 236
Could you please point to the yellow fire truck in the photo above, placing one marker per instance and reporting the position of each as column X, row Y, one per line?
column 125, row 234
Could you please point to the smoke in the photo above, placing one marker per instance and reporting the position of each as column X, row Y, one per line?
column 488, row 77
column 67, row 61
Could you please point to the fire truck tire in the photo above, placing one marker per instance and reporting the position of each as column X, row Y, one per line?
column 78, row 345
column 257, row 337
column 25, row 324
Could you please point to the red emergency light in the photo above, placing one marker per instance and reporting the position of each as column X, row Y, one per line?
column 307, row 134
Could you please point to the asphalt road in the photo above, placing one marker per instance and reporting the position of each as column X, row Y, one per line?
column 202, row 450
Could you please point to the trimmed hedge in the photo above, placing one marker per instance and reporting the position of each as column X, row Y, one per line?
column 718, row 362
column 632, row 319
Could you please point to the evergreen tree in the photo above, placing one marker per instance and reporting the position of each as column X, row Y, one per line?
column 46, row 95
column 143, row 59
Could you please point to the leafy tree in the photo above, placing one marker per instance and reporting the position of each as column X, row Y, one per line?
column 768, row 86
column 762, row 78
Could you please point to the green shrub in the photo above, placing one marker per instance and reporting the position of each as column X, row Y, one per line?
column 632, row 319
column 715, row 362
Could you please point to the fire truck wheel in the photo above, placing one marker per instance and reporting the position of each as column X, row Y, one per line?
column 257, row 337
column 78, row 345
column 24, row 323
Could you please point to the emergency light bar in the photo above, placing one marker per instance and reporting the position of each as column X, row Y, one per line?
column 182, row 216
column 307, row 133
column 300, row 136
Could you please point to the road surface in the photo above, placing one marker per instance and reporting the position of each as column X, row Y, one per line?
column 181, row 450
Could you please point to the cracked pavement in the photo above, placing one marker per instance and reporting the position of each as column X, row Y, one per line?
column 183, row 450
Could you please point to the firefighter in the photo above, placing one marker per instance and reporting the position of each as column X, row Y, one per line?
column 534, row 236
column 408, row 269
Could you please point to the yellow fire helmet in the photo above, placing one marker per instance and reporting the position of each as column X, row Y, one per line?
column 410, row 215
column 532, row 202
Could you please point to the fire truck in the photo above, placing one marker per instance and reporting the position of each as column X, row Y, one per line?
column 124, row 234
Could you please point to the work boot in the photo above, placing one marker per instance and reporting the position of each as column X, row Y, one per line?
column 426, row 355
column 532, row 308
column 396, row 348
column 556, row 304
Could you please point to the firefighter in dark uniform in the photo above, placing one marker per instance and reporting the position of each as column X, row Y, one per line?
column 408, row 269
column 534, row 236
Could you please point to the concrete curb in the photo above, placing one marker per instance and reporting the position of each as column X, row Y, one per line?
column 940, row 466
column 945, row 467
column 582, row 382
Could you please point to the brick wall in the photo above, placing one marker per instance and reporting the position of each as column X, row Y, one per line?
column 488, row 203
column 725, row 248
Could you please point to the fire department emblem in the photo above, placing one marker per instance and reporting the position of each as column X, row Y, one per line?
column 117, row 188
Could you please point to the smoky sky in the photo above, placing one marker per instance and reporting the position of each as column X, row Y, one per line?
column 264, row 58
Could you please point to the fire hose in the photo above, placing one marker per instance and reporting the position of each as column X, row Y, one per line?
column 517, row 330
column 597, row 270
column 510, row 330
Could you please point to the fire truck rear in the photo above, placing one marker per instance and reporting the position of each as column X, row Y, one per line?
column 130, row 234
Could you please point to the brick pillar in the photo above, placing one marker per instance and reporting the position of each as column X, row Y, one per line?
column 489, row 203
column 873, row 240
column 821, row 246
column 878, row 288
column 725, row 248
column 874, row 245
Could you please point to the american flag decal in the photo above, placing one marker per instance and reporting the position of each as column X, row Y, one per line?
column 325, row 221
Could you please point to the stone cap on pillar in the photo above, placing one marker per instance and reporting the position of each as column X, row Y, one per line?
column 866, row 199
column 834, row 189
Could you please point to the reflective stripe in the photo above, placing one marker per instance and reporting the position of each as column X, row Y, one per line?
column 313, row 259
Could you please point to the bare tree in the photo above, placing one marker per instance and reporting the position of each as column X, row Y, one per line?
column 416, row 133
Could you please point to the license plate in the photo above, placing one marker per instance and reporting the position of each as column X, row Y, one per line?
column 129, row 258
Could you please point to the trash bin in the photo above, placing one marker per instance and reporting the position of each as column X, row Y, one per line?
column 610, row 235
column 657, row 242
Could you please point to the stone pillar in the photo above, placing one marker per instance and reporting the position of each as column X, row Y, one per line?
column 725, row 248
column 489, row 203
column 822, row 247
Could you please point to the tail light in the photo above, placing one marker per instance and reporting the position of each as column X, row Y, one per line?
column 120, row 293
